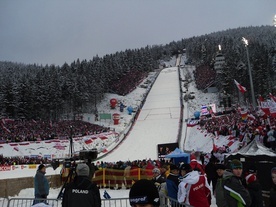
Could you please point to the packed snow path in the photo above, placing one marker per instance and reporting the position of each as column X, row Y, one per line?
column 157, row 123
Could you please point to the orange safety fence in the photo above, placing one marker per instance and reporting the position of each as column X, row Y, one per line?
column 116, row 178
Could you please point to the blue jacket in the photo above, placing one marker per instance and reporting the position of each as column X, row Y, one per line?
column 172, row 185
column 41, row 184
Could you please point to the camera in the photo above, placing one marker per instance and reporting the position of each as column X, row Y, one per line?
column 83, row 155
column 88, row 154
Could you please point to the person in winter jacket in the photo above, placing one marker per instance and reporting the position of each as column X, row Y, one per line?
column 219, row 194
column 234, row 191
column 272, row 198
column 160, row 183
column 81, row 192
column 41, row 185
column 143, row 193
column 211, row 172
column 196, row 165
column 255, row 190
column 194, row 189
column 172, row 182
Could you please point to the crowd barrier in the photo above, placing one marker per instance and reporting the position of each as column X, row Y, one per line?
column 113, row 202
column 117, row 178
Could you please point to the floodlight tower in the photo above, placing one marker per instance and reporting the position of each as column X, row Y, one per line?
column 274, row 20
column 245, row 41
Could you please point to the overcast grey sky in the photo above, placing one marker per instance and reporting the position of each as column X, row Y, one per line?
column 59, row 31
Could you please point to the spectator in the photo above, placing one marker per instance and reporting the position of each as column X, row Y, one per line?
column 160, row 183
column 165, row 170
column 235, row 193
column 183, row 170
column 255, row 190
column 144, row 193
column 194, row 189
column 211, row 172
column 219, row 194
column 41, row 185
column 272, row 198
column 81, row 192
column 196, row 164
column 172, row 183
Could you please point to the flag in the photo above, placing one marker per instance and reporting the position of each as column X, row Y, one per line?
column 273, row 98
column 261, row 99
column 241, row 88
column 106, row 195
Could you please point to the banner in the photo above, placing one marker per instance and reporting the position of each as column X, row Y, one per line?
column 192, row 123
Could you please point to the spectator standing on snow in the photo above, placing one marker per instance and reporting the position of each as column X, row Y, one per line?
column 194, row 189
column 234, row 191
column 81, row 192
column 41, row 185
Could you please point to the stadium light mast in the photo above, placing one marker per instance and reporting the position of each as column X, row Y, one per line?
column 274, row 20
column 245, row 41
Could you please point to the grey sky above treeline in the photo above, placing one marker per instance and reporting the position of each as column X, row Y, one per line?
column 59, row 31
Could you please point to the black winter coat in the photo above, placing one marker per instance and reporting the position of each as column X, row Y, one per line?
column 255, row 191
column 272, row 199
column 81, row 192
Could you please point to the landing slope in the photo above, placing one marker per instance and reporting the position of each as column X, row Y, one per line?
column 157, row 122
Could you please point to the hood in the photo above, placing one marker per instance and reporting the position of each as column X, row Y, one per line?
column 227, row 174
column 191, row 177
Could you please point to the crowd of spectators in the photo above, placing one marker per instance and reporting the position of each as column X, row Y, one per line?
column 242, row 129
column 127, row 83
column 204, row 76
column 35, row 130
column 19, row 160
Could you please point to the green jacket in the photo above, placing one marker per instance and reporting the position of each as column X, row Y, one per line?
column 234, row 192
column 219, row 194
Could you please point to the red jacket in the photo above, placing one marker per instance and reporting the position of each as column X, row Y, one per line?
column 194, row 190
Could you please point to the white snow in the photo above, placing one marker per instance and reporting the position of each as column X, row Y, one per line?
column 157, row 123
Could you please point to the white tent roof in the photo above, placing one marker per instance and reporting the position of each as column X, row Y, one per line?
column 255, row 148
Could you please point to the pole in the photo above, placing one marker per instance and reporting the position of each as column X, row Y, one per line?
column 250, row 77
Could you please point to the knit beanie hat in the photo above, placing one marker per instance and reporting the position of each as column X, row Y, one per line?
column 144, row 192
column 82, row 169
column 250, row 178
column 40, row 167
column 236, row 164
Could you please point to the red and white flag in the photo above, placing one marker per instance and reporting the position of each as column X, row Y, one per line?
column 241, row 88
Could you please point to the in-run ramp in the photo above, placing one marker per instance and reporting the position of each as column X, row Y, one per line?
column 157, row 123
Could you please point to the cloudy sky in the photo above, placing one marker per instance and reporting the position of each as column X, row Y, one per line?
column 59, row 31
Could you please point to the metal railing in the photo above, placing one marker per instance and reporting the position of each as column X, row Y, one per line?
column 113, row 202
column 27, row 202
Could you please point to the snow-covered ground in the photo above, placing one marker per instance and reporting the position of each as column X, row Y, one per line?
column 157, row 123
